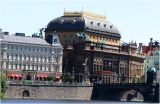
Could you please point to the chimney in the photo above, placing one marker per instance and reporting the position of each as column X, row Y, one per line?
column 151, row 40
column 19, row 34
column 151, row 43
column 140, row 47
column 0, row 30
column 1, row 34
column 6, row 33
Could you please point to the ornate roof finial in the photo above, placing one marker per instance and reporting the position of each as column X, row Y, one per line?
column 64, row 11
column 82, row 9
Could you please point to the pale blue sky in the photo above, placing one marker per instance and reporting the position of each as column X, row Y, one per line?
column 137, row 20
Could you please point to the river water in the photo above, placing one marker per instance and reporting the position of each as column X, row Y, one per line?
column 43, row 101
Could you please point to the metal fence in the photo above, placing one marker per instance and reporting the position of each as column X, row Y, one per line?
column 30, row 82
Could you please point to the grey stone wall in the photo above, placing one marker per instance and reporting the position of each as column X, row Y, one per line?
column 51, row 92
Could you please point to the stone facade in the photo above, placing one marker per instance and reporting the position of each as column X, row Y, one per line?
column 51, row 92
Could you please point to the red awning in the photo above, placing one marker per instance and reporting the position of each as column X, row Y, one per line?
column 57, row 76
column 42, row 75
column 45, row 76
column 14, row 75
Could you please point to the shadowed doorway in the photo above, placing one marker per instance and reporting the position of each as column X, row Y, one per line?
column 28, row 77
column 26, row 93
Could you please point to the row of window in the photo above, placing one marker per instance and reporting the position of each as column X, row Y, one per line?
column 155, row 66
column 109, row 41
column 28, row 57
column 135, row 73
column 27, row 67
column 155, row 54
column 94, row 38
column 27, row 48
column 97, row 55
column 135, row 66
column 155, row 61
column 97, row 67
column 57, row 50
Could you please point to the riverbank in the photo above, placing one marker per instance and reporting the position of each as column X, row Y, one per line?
column 98, row 92
column 47, row 101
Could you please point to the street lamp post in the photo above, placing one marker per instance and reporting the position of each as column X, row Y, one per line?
column 84, row 77
column 73, row 73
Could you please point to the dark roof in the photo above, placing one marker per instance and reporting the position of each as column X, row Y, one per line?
column 81, row 23
column 66, row 23
column 25, row 40
column 148, row 50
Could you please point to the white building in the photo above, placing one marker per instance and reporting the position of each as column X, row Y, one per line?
column 156, row 63
column 30, row 58
column 153, row 61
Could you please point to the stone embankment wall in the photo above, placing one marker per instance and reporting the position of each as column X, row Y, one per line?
column 50, row 92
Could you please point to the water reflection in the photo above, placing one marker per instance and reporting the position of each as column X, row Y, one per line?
column 43, row 101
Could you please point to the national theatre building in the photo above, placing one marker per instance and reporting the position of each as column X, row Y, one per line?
column 92, row 49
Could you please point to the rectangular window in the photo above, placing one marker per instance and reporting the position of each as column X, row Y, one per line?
column 16, row 66
column 29, row 48
column 11, row 66
column 45, row 49
column 7, row 65
column 37, row 58
column 24, row 57
column 41, row 49
column 3, row 46
column 20, row 47
column 41, row 58
column 37, row 49
column 16, row 47
column 25, row 48
column 16, row 56
column 28, row 66
column 12, row 46
column 32, row 67
column 29, row 57
column 20, row 57
column 46, row 68
column 24, row 66
column 20, row 66
column 49, row 68
column 37, row 67
column 33, row 58
column 41, row 68
column 49, row 59
column 7, row 55
column 33, row 48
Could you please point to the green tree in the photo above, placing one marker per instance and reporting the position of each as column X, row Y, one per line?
column 140, row 80
column 68, row 78
column 4, row 85
column 51, row 78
